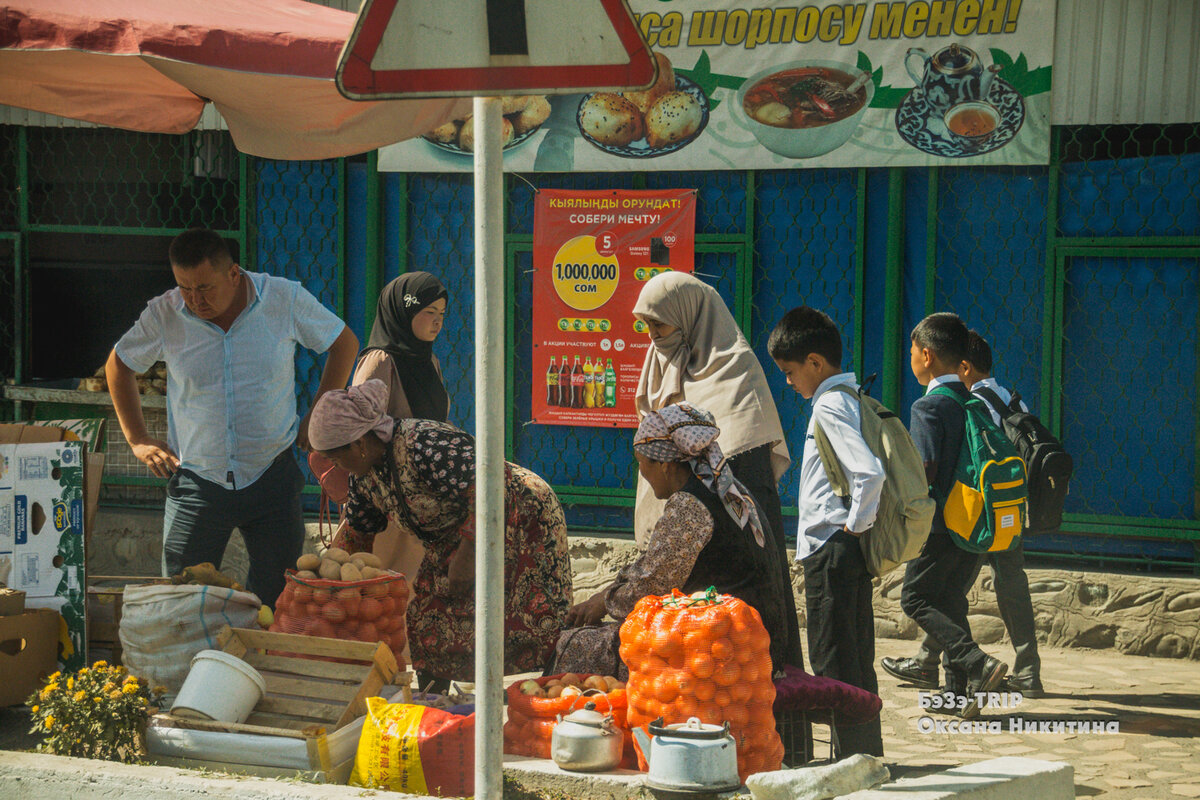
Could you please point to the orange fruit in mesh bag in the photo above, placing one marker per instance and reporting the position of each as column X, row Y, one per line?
column 704, row 655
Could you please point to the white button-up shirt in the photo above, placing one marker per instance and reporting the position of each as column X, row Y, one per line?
column 822, row 513
column 1004, row 394
column 231, row 395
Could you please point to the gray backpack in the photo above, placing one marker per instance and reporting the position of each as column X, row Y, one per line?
column 905, row 508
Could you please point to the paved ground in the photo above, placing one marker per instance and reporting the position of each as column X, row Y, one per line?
column 1156, row 703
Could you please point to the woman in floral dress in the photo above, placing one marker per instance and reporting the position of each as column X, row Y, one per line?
column 420, row 474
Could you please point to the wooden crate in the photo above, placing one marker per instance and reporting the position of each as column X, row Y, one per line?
column 309, row 694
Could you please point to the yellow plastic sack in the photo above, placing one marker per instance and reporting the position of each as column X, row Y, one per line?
column 390, row 750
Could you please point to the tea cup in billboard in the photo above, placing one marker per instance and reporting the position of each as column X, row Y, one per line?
column 950, row 76
column 972, row 122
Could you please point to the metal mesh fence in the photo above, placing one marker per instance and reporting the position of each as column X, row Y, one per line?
column 1083, row 275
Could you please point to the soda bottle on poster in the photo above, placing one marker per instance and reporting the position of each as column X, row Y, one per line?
column 598, row 383
column 589, row 384
column 610, row 386
column 552, row 384
column 564, row 384
column 577, row 384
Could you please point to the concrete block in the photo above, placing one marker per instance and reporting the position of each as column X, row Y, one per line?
column 34, row 776
column 1007, row 778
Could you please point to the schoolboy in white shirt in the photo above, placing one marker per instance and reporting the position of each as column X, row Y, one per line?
column 807, row 348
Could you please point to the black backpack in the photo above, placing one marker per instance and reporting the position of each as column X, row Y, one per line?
column 1049, row 464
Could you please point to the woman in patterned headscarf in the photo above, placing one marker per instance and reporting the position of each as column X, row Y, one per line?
column 710, row 534
column 699, row 355
column 420, row 475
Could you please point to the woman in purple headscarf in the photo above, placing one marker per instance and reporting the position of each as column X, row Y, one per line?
column 420, row 475
column 710, row 534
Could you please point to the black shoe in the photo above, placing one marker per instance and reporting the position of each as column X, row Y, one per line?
column 1028, row 687
column 909, row 669
column 984, row 678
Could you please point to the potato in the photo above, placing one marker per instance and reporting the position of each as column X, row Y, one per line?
column 337, row 554
column 369, row 559
column 596, row 682
column 308, row 574
column 555, row 690
column 613, row 683
column 371, row 572
column 570, row 691
column 570, row 679
column 308, row 561
column 331, row 570
column 350, row 572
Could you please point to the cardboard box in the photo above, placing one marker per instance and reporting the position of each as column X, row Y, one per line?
column 42, row 513
column 28, row 653
column 11, row 602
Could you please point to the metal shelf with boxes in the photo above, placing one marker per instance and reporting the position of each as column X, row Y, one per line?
column 127, row 481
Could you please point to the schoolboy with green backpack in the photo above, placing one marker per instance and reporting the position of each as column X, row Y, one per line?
column 1049, row 468
column 978, row 491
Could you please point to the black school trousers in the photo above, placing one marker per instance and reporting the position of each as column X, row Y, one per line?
column 1016, row 609
column 841, row 630
column 934, row 595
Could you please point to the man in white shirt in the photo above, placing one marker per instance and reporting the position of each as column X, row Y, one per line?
column 228, row 338
column 1008, row 568
column 807, row 348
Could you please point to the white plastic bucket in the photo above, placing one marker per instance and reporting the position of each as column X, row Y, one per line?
column 219, row 687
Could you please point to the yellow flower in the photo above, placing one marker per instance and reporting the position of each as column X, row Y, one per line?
column 100, row 665
column 129, row 688
column 78, row 696
column 83, row 671
column 70, row 684
column 34, row 710
column 47, row 690
column 130, row 680
column 49, row 723
column 54, row 677
column 108, row 686
column 115, row 694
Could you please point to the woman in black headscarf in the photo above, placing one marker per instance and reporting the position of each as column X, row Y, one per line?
column 399, row 352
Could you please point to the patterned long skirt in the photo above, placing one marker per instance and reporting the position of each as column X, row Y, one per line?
column 537, row 589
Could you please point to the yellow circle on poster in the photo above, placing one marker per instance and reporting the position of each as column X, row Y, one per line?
column 584, row 279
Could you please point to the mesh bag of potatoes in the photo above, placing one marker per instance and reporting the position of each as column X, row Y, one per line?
column 535, row 705
column 342, row 596
column 704, row 655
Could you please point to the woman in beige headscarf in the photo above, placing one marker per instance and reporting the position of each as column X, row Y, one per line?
column 698, row 354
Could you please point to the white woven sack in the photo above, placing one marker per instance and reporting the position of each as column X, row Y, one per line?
column 162, row 627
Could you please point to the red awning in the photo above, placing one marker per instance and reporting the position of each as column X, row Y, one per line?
column 150, row 65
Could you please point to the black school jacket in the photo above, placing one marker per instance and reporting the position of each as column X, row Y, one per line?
column 937, row 425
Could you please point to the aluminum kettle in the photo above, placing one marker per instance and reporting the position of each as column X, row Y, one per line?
column 689, row 756
column 586, row 741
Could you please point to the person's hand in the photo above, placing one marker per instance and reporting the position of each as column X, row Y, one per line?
column 302, row 434
column 589, row 612
column 156, row 454
column 461, row 571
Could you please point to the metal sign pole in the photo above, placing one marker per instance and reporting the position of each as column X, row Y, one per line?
column 489, row 450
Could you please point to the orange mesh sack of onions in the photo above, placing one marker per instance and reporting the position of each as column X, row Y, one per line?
column 535, row 705
column 704, row 655
column 362, row 603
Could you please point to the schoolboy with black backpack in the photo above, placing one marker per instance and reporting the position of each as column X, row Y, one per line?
column 1008, row 567
column 934, row 592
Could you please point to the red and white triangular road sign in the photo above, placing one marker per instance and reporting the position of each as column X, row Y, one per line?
column 435, row 48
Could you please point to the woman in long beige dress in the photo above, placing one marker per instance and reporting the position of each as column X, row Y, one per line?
column 399, row 352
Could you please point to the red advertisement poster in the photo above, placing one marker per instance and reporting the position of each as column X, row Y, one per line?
column 593, row 251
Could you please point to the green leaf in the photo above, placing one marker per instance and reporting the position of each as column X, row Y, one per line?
column 888, row 97
column 1022, row 64
column 1002, row 58
column 864, row 62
